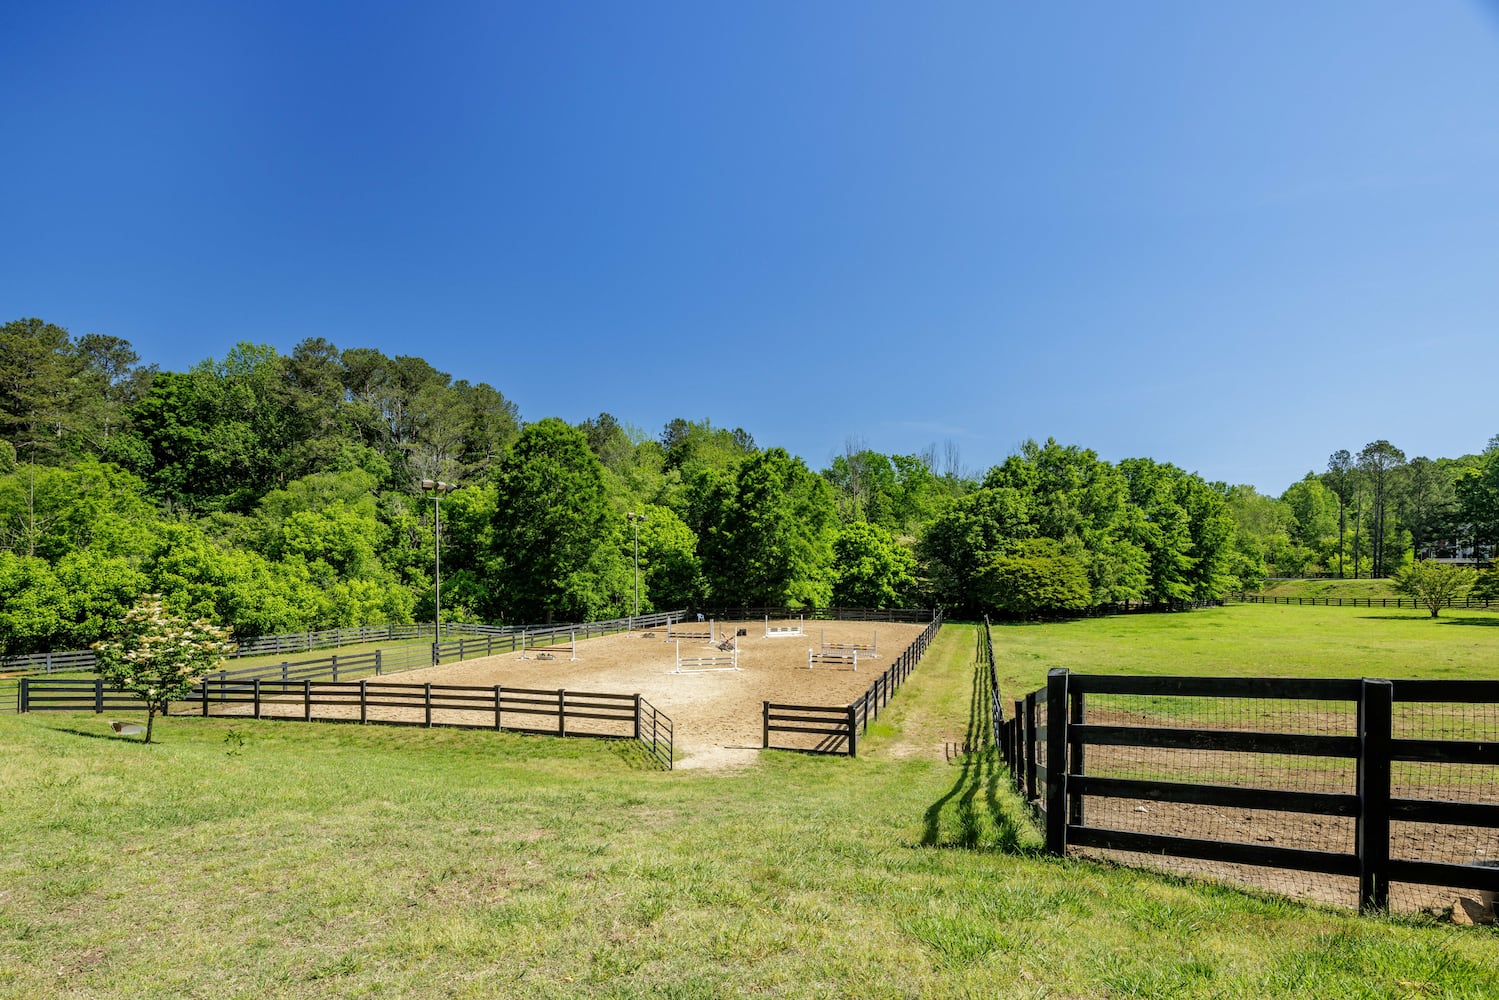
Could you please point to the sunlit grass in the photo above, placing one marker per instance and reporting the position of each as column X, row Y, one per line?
column 244, row 859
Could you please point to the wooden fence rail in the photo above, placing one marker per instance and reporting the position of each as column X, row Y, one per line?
column 555, row 712
column 1046, row 744
column 837, row 728
column 1361, row 602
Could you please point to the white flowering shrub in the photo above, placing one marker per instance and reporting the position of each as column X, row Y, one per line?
column 159, row 656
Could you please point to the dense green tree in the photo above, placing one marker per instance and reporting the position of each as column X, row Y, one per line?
column 1036, row 576
column 768, row 533
column 870, row 569
column 555, row 547
column 966, row 536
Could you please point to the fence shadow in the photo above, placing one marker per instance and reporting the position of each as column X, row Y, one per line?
column 973, row 814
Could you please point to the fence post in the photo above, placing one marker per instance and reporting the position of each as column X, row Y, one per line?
column 98, row 695
column 307, row 700
column 257, row 697
column 764, row 726
column 1375, row 722
column 23, row 696
column 853, row 734
column 637, row 716
column 377, row 663
column 436, row 654
column 427, row 698
column 1030, row 748
column 335, row 668
column 1078, row 715
column 364, row 707
column 497, row 708
column 561, row 712
column 1056, row 761
column 203, row 685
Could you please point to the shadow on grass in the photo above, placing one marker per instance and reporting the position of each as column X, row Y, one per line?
column 973, row 814
column 111, row 737
column 1417, row 615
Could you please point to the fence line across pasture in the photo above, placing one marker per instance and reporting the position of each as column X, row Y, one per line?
column 1363, row 602
column 563, row 712
column 911, row 616
column 836, row 729
column 1358, row 786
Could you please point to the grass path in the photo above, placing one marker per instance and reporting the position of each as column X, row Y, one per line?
column 243, row 860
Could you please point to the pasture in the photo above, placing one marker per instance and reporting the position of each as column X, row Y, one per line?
column 242, row 859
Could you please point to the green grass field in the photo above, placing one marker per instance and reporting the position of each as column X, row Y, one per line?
column 237, row 859
column 1255, row 640
column 1330, row 588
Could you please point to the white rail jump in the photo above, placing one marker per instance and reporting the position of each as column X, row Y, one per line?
column 778, row 631
column 695, row 631
column 871, row 649
column 836, row 659
column 707, row 661
column 550, row 652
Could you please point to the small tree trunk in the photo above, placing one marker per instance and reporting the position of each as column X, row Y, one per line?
column 150, row 718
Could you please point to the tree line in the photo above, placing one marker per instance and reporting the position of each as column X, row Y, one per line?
column 271, row 492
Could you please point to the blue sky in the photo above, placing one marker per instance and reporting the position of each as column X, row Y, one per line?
column 1235, row 237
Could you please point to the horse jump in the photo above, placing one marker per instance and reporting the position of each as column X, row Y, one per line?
column 837, row 659
column 674, row 633
column 778, row 631
column 708, row 661
column 871, row 648
column 550, row 652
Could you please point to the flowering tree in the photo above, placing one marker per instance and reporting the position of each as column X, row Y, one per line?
column 159, row 656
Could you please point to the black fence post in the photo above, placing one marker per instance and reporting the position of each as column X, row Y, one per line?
column 1056, row 761
column 1375, row 722
column 853, row 734
column 203, row 689
column 637, row 716
column 377, row 663
column 561, row 712
column 23, row 696
column 764, row 726
column 427, row 699
column 98, row 695
column 1031, row 748
column 497, row 696
column 364, row 702
column 257, row 697
column 307, row 700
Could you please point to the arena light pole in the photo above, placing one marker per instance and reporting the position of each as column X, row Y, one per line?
column 635, row 520
column 437, row 488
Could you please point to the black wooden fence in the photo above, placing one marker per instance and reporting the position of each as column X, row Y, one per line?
column 1361, row 602
column 836, row 728
column 1047, row 745
column 913, row 616
column 553, row 712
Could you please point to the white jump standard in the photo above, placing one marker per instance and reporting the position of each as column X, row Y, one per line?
column 782, row 630
column 707, row 661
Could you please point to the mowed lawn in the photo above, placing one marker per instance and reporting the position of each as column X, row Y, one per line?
column 1255, row 640
column 244, row 859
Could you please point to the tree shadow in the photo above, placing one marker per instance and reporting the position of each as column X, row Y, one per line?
column 111, row 737
column 1480, row 622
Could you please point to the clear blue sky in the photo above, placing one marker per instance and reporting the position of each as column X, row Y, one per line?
column 1235, row 237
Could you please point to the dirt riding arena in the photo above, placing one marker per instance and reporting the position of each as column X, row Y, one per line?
column 716, row 713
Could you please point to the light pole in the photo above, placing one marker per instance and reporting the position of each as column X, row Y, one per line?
column 437, row 488
column 635, row 520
